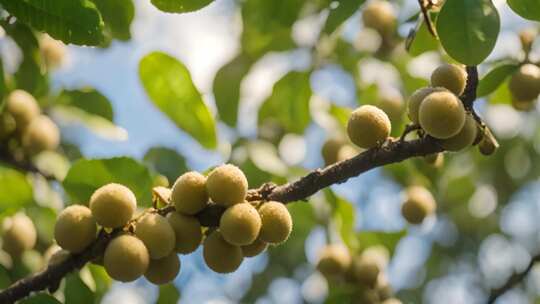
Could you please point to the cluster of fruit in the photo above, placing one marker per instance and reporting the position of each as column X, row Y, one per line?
column 148, row 244
column 22, row 121
column 363, row 271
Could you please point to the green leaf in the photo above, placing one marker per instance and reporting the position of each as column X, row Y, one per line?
column 86, row 175
column 20, row 191
column 101, row 279
column 468, row 29
column 40, row 298
column 501, row 95
column 342, row 12
column 166, row 161
column 97, row 124
column 289, row 102
column 72, row 21
column 180, row 6
column 344, row 218
column 387, row 239
column 5, row 280
column 76, row 291
column 227, row 88
column 168, row 294
column 423, row 40
column 495, row 78
column 168, row 84
column 528, row 9
column 88, row 100
column 118, row 15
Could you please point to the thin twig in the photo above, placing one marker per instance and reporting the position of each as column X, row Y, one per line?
column 22, row 165
column 427, row 18
column 512, row 281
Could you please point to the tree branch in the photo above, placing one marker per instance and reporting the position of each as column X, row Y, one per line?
column 392, row 151
column 27, row 166
column 512, row 281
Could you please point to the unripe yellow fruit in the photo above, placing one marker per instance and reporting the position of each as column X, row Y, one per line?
column 254, row 248
column 380, row 16
column 19, row 234
column 464, row 138
column 50, row 251
column 189, row 193
column 221, row 256
column 451, row 77
column 227, row 185
column 126, row 258
column 365, row 296
column 527, row 36
column 113, row 205
column 391, row 301
column 442, row 115
column 7, row 124
column 392, row 105
column 415, row 100
column 276, row 222
column 157, row 235
column 187, row 230
column 75, row 228
column 523, row 105
column 330, row 150
column 334, row 260
column 419, row 204
column 164, row 270
column 524, row 84
column 52, row 50
column 240, row 224
column 160, row 181
column 368, row 126
column 40, row 135
column 366, row 271
column 23, row 107
column 487, row 147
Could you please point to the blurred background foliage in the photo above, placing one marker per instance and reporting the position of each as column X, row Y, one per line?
column 263, row 84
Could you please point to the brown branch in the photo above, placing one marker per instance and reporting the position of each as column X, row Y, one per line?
column 392, row 151
column 512, row 281
column 427, row 18
column 22, row 165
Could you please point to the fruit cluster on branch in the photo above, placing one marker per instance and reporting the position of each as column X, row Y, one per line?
column 237, row 222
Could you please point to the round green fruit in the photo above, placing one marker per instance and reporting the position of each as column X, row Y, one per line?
column 442, row 115
column 113, row 205
column 75, row 228
column 334, row 260
column 413, row 106
column 19, row 234
column 221, row 256
column 23, row 107
column 276, row 222
column 451, row 77
column 419, row 204
column 368, row 126
column 189, row 193
column 187, row 230
column 254, row 248
column 126, row 258
column 524, row 84
column 240, row 224
column 380, row 16
column 164, row 270
column 465, row 137
column 157, row 235
column 40, row 135
column 227, row 185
